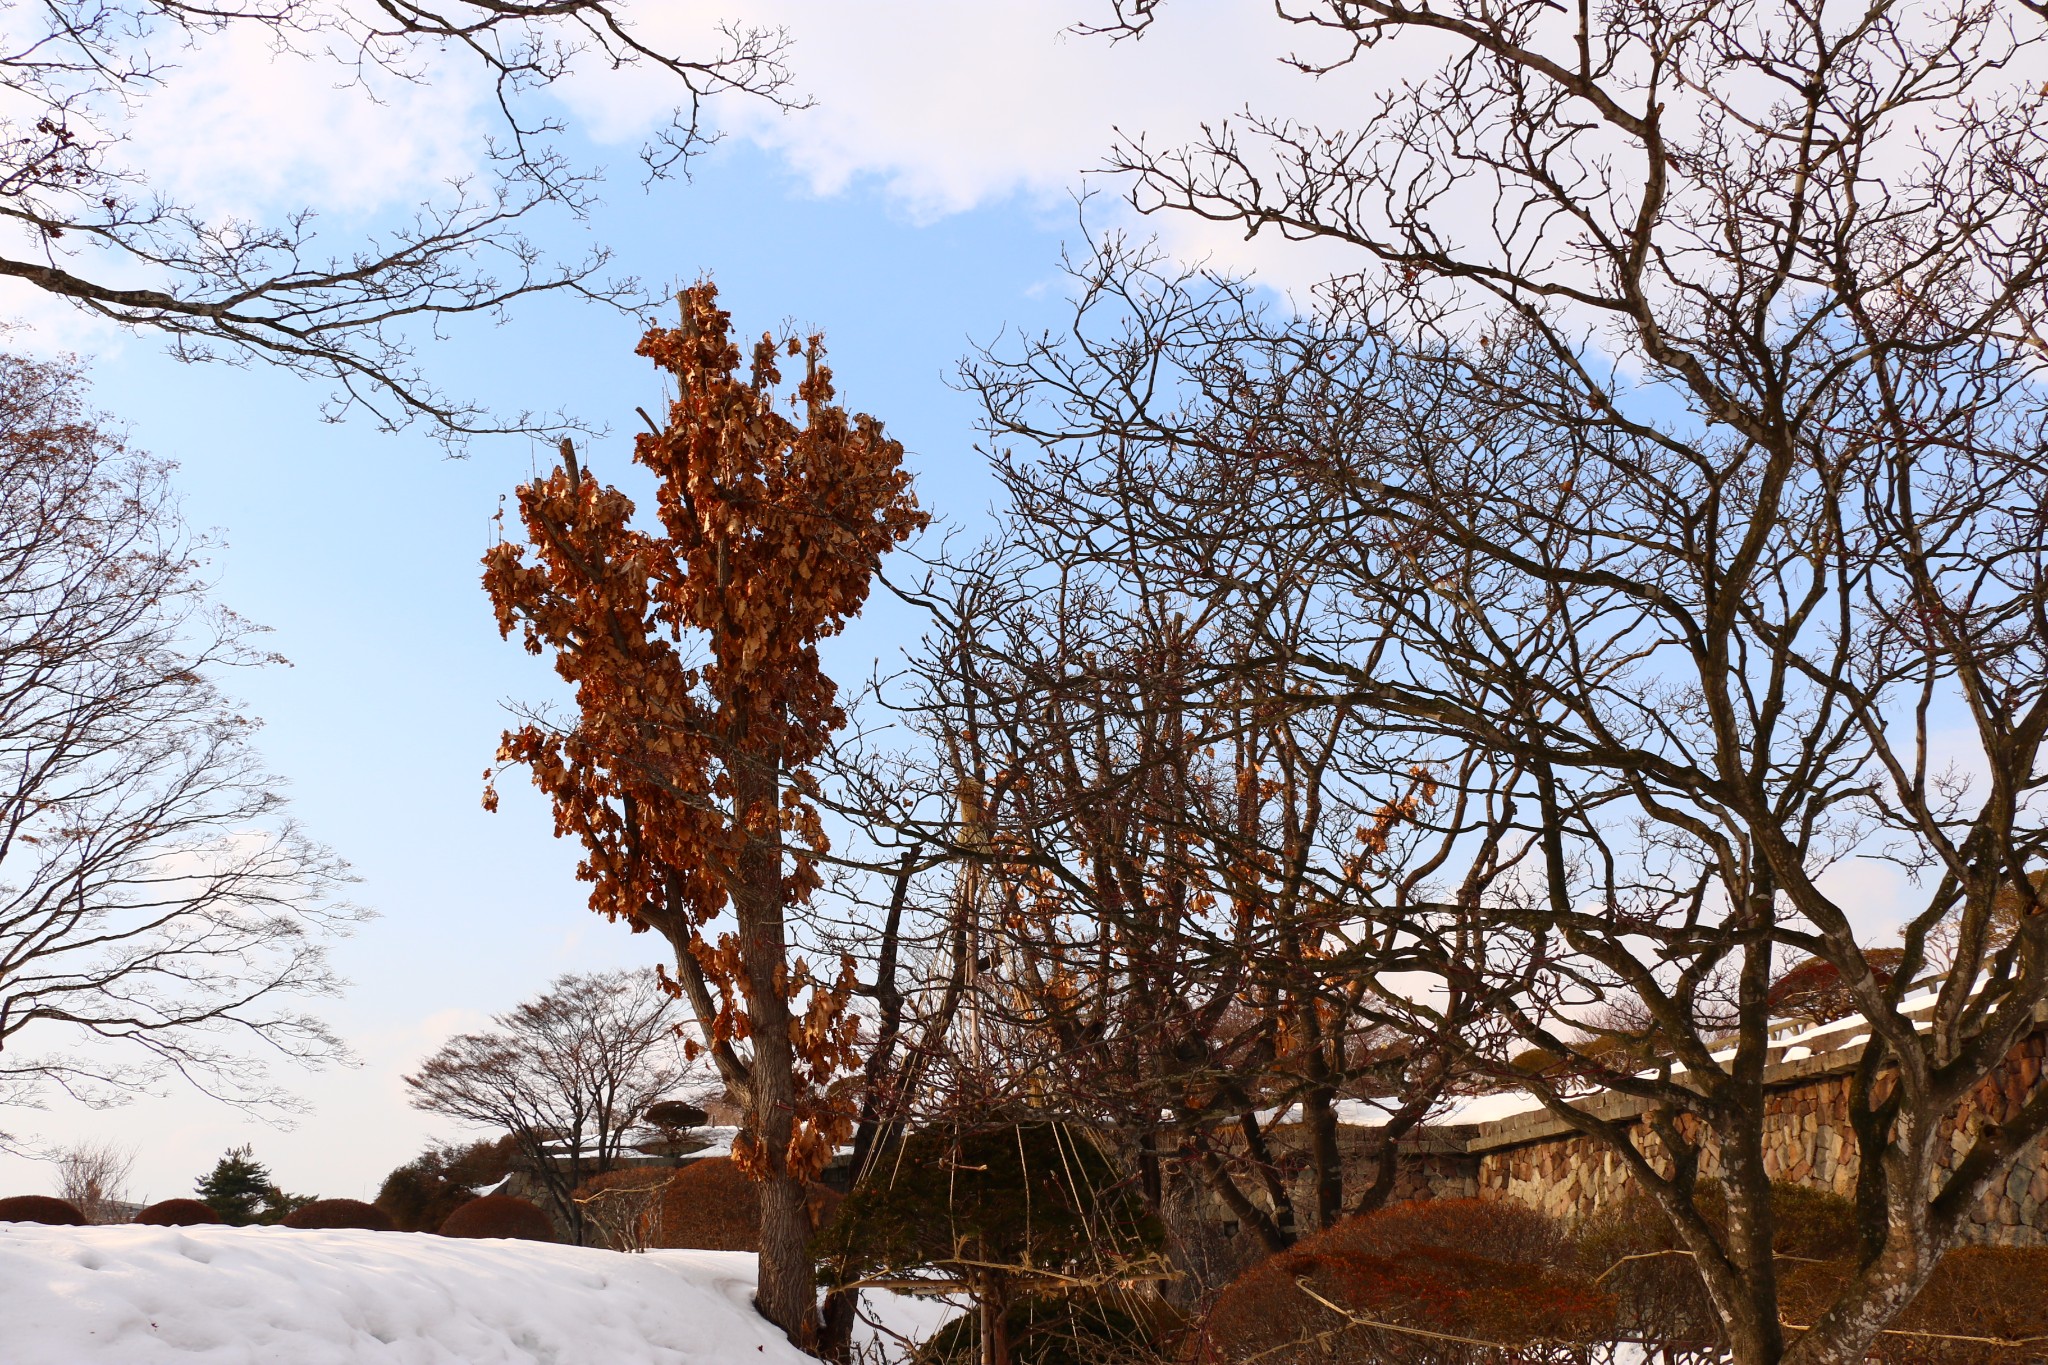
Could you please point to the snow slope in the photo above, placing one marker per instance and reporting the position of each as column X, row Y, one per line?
column 278, row 1296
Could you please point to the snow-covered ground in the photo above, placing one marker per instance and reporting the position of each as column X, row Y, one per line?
column 278, row 1296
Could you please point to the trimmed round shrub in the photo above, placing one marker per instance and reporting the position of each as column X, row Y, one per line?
column 1812, row 989
column 958, row 1200
column 962, row 1202
column 177, row 1213
column 709, row 1205
column 499, row 1215
column 40, row 1208
column 421, row 1194
column 675, row 1114
column 1477, row 1269
column 339, row 1213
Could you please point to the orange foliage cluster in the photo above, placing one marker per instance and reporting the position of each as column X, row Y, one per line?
column 685, row 775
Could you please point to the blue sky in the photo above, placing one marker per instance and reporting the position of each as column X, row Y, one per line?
column 360, row 551
column 920, row 206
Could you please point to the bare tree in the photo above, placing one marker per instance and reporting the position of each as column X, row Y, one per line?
column 566, row 1075
column 93, row 1178
column 1676, row 452
column 1186, row 882
column 90, row 231
column 157, row 910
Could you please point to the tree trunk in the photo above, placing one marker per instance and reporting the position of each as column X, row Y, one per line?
column 995, row 1324
column 1319, row 1119
column 842, row 1306
column 1271, row 1234
column 786, row 1287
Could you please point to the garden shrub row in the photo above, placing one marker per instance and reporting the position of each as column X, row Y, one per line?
column 495, row 1215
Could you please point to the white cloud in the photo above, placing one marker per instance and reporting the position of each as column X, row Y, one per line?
column 949, row 107
column 946, row 107
column 242, row 129
column 952, row 106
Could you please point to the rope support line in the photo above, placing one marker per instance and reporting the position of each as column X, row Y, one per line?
column 1932, row 1336
column 1682, row 1251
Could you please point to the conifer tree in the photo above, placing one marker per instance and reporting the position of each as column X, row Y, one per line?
column 240, row 1190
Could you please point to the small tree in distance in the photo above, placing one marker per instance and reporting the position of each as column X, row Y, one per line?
column 687, row 776
column 564, row 1076
column 93, row 1178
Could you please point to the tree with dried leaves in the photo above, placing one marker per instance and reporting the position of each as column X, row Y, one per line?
column 81, row 74
column 565, row 1076
column 687, row 775
column 159, row 913
column 1672, row 465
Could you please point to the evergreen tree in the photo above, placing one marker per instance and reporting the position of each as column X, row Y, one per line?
column 240, row 1190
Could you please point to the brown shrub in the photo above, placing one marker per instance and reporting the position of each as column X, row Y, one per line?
column 421, row 1194
column 1813, row 989
column 339, row 1213
column 622, row 1208
column 1998, row 1292
column 40, row 1208
column 1462, row 1267
column 710, row 1206
column 1630, row 1249
column 499, row 1215
column 177, row 1213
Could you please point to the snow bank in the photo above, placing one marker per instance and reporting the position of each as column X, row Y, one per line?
column 278, row 1296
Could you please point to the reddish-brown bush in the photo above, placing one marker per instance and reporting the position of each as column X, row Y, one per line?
column 40, row 1208
column 1813, row 989
column 499, row 1215
column 1986, row 1292
column 710, row 1206
column 1461, row 1267
column 1630, row 1249
column 339, row 1213
column 421, row 1194
column 177, row 1213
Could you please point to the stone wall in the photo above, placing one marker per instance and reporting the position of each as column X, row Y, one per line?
column 1807, row 1140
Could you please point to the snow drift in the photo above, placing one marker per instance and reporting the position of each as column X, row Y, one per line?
column 276, row 1296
